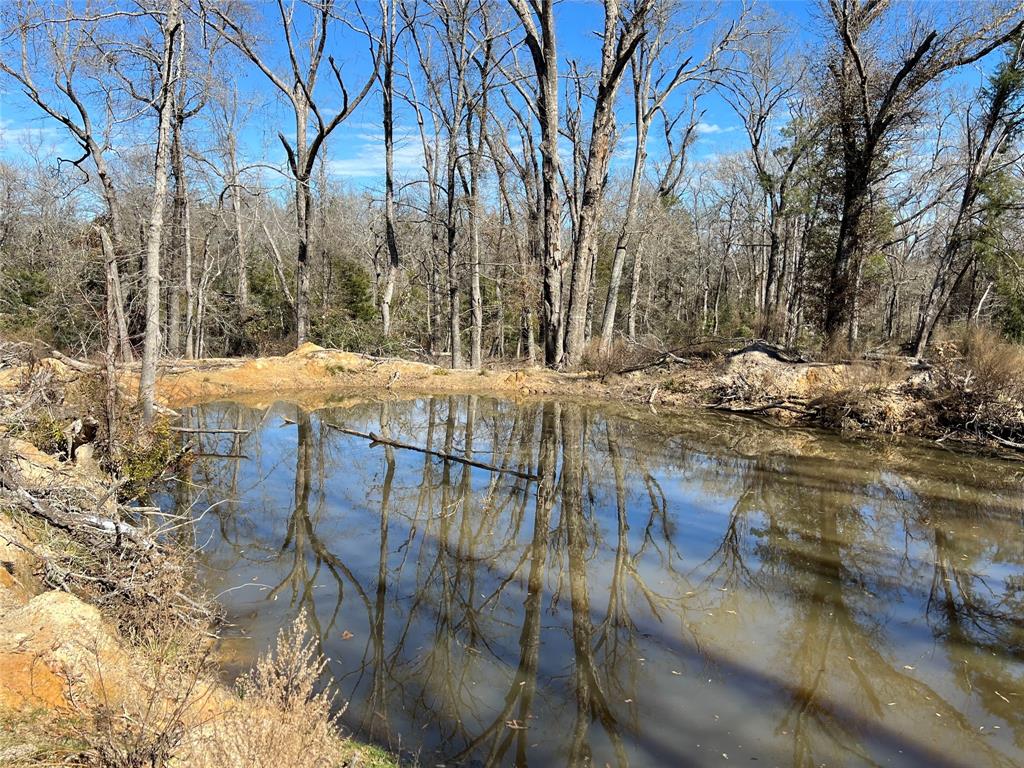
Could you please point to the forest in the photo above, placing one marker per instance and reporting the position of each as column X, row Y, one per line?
column 170, row 186
column 595, row 382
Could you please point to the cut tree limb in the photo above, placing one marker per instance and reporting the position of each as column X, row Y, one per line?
column 76, row 365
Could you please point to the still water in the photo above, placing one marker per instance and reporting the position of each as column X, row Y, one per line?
column 625, row 588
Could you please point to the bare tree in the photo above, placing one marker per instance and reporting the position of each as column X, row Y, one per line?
column 876, row 95
column 386, row 76
column 298, row 85
column 624, row 29
column 770, row 83
column 63, row 47
column 538, row 23
column 659, row 68
column 170, row 29
column 986, row 140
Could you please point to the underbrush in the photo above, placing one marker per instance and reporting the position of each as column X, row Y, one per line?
column 620, row 356
column 979, row 386
column 867, row 396
column 70, row 420
column 277, row 715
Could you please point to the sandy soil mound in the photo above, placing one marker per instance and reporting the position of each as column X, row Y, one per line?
column 772, row 378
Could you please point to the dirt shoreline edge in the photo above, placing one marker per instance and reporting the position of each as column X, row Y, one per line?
column 882, row 397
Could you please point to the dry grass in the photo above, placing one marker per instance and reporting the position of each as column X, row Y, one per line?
column 145, row 727
column 868, row 396
column 979, row 383
column 620, row 356
column 179, row 716
column 282, row 715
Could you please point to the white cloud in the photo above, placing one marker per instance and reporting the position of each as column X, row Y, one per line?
column 710, row 129
column 367, row 159
column 32, row 134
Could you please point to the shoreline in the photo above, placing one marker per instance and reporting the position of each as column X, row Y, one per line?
column 885, row 398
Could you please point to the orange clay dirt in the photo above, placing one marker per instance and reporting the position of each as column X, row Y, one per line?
column 750, row 382
column 314, row 368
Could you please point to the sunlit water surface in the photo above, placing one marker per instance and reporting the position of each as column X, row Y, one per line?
column 646, row 591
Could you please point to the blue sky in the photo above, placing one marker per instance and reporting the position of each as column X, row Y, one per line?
column 355, row 152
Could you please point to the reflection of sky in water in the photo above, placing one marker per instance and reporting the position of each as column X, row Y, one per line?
column 708, row 586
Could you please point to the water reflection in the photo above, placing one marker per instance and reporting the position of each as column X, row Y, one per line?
column 624, row 590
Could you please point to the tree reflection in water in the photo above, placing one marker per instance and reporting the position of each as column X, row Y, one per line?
column 665, row 592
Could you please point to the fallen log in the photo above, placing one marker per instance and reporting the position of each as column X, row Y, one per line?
column 79, row 522
column 778, row 405
column 211, row 430
column 70, row 362
column 1008, row 443
column 374, row 438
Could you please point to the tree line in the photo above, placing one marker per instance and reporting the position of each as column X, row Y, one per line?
column 557, row 206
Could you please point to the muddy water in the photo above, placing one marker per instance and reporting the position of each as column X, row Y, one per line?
column 646, row 591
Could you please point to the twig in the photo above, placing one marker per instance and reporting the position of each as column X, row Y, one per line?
column 1007, row 443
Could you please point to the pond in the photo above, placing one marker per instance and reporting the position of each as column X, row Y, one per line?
column 619, row 587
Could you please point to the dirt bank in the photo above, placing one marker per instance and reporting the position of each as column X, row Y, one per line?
column 890, row 396
column 78, row 687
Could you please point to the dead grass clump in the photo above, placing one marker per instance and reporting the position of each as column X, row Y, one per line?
column 993, row 367
column 621, row 355
column 979, row 386
column 283, row 716
column 866, row 397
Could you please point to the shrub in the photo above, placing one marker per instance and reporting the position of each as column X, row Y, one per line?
column 283, row 718
column 339, row 331
column 619, row 356
column 979, row 385
column 144, row 455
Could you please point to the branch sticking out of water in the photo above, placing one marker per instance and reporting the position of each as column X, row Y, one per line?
column 374, row 438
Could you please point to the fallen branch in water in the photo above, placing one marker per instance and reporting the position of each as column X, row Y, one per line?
column 1005, row 442
column 780, row 405
column 210, row 430
column 373, row 437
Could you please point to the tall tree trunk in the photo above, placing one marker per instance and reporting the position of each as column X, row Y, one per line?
column 242, row 262
column 175, row 268
column 584, row 242
column 839, row 304
column 303, row 223
column 390, row 237
column 154, row 231
column 190, row 312
column 625, row 233
column 109, row 358
column 454, row 305
column 475, row 297
column 634, row 288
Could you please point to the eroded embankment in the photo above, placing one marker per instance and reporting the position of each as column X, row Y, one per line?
column 107, row 649
column 887, row 396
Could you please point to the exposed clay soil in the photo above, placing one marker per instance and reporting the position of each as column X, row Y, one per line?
column 892, row 396
column 752, row 381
